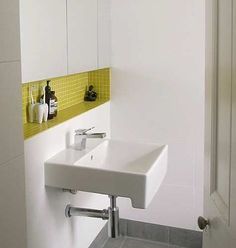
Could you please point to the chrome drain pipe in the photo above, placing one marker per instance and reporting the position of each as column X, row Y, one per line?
column 113, row 221
column 111, row 214
column 86, row 212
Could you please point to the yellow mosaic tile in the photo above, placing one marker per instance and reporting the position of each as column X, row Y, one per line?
column 100, row 79
column 70, row 91
column 31, row 129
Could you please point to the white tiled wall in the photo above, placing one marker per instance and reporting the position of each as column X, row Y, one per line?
column 158, row 76
column 11, row 132
column 47, row 226
column 12, row 177
column 12, row 207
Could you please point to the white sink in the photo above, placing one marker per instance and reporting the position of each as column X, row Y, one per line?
column 114, row 167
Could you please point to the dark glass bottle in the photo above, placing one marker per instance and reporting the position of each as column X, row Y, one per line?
column 48, row 99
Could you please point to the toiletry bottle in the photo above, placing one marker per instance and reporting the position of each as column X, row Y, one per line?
column 54, row 103
column 49, row 101
column 31, row 105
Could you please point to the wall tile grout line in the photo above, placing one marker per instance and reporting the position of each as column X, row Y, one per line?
column 10, row 61
column 11, row 159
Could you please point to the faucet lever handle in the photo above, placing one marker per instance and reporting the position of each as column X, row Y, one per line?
column 83, row 131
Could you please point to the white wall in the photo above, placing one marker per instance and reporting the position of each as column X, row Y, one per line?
column 12, row 178
column 47, row 226
column 158, row 96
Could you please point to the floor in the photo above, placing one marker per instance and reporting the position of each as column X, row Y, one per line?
column 135, row 234
column 128, row 242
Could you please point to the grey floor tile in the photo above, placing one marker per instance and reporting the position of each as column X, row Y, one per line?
column 123, row 227
column 115, row 243
column 175, row 246
column 137, row 234
column 156, row 233
column 101, row 239
column 139, row 243
column 185, row 238
column 148, row 231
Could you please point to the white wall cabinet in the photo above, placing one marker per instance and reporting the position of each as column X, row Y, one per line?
column 43, row 39
column 104, row 33
column 60, row 37
column 82, row 35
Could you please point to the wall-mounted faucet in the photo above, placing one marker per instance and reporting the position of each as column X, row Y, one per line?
column 81, row 137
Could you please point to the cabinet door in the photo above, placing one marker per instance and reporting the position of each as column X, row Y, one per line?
column 104, row 33
column 43, row 39
column 82, row 35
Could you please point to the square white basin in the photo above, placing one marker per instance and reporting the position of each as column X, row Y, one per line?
column 114, row 167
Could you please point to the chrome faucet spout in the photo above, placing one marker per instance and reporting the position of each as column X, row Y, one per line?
column 96, row 135
column 81, row 137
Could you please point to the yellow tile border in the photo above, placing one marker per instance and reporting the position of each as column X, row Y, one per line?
column 70, row 92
